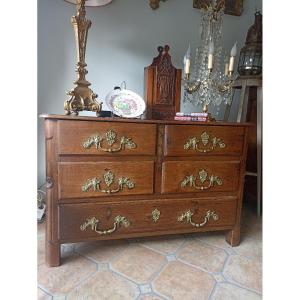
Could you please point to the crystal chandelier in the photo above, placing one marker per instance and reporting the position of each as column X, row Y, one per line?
column 211, row 79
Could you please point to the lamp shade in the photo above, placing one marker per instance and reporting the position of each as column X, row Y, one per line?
column 92, row 2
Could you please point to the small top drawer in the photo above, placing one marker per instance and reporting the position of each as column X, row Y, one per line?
column 106, row 138
column 189, row 140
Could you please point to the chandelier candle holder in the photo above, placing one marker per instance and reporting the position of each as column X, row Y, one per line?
column 81, row 97
column 211, row 80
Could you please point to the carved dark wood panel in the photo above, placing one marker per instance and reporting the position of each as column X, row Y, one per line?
column 162, row 86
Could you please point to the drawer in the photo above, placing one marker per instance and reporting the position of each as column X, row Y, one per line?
column 200, row 176
column 188, row 140
column 125, row 219
column 106, row 138
column 98, row 179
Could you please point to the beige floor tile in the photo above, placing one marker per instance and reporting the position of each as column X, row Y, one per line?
column 62, row 279
column 215, row 239
column 251, row 248
column 138, row 263
column 101, row 251
column 179, row 281
column 227, row 291
column 201, row 255
column 41, row 295
column 150, row 297
column 166, row 245
column 105, row 286
column 244, row 271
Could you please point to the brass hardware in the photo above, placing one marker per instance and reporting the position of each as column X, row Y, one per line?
column 82, row 97
column 188, row 216
column 110, row 138
column 93, row 223
column 206, row 139
column 109, row 179
column 203, row 176
column 155, row 215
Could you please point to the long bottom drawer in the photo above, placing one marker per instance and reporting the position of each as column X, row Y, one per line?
column 126, row 219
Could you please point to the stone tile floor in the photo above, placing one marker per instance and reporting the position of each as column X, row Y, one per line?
column 192, row 266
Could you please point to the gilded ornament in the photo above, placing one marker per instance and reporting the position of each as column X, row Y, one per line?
column 109, row 179
column 205, row 138
column 155, row 215
column 110, row 139
column 211, row 143
column 93, row 223
column 81, row 97
column 190, row 180
column 188, row 217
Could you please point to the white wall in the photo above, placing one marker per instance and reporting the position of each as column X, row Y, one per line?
column 121, row 42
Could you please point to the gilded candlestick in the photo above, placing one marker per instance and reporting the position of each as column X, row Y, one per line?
column 81, row 97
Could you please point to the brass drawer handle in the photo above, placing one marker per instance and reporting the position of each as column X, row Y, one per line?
column 109, row 179
column 206, row 140
column 188, row 216
column 203, row 176
column 111, row 139
column 93, row 223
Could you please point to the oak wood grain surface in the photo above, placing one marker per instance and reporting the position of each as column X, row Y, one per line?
column 73, row 176
column 174, row 172
column 176, row 136
column 143, row 135
column 140, row 216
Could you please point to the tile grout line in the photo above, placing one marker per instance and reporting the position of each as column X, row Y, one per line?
column 163, row 253
column 212, row 291
column 156, row 276
column 242, row 286
column 44, row 290
column 196, row 267
column 218, row 247
column 231, row 281
column 84, row 280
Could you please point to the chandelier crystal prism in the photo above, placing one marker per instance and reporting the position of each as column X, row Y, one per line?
column 211, row 79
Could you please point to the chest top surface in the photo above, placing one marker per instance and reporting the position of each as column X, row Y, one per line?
column 141, row 121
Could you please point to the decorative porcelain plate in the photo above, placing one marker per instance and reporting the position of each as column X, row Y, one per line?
column 125, row 103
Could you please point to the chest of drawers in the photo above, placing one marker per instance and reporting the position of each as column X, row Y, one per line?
column 118, row 178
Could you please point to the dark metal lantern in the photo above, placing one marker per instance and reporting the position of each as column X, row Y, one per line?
column 250, row 61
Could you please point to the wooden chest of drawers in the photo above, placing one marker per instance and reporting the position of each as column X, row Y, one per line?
column 118, row 178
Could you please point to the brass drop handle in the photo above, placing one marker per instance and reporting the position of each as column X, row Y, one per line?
column 93, row 223
column 109, row 179
column 188, row 216
column 111, row 139
column 206, row 140
column 190, row 180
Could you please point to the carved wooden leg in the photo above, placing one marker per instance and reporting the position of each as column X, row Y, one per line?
column 233, row 237
column 52, row 254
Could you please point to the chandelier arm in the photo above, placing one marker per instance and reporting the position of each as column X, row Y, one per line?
column 227, row 86
column 192, row 87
